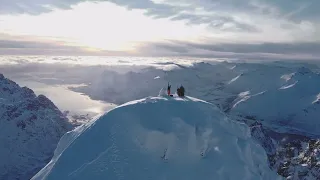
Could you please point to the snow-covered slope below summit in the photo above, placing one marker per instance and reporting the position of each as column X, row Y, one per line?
column 30, row 128
column 159, row 138
column 290, row 108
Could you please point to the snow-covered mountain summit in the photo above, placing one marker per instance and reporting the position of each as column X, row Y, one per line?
column 159, row 138
column 30, row 128
column 278, row 100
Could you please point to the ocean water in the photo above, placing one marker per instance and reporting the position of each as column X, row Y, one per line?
column 68, row 100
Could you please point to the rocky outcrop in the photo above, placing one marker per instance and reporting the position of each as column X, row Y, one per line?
column 30, row 128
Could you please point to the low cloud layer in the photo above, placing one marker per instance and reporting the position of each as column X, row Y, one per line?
column 274, row 51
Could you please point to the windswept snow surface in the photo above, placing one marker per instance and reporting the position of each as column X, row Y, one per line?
column 159, row 138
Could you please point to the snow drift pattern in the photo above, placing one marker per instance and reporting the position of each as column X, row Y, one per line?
column 159, row 138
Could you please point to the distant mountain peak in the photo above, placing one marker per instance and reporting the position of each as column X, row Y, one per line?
column 46, row 102
column 28, row 93
column 303, row 70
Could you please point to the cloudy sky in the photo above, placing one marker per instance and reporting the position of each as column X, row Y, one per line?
column 204, row 28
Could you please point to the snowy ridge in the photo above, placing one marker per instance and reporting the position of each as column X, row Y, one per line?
column 30, row 128
column 159, row 138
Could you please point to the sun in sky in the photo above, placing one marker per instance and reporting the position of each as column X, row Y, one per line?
column 99, row 26
column 162, row 27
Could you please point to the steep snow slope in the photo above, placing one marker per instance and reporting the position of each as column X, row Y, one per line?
column 159, row 138
column 30, row 128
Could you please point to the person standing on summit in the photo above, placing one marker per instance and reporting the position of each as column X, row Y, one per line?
column 181, row 91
